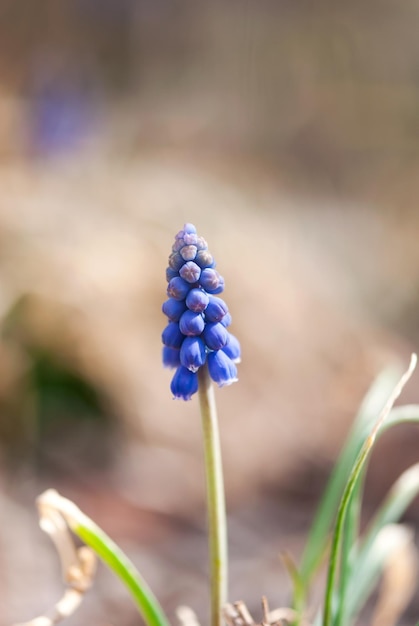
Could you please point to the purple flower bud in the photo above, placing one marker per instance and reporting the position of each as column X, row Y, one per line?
column 190, row 239
column 191, row 324
column 215, row 310
column 178, row 245
column 184, row 383
column 226, row 321
column 221, row 368
column 189, row 228
column 171, row 357
column 170, row 274
column 204, row 259
column 209, row 279
column 174, row 309
column 215, row 335
column 197, row 300
column 190, row 272
column 188, row 253
column 178, row 288
column 232, row 348
column 175, row 261
column 171, row 336
column 193, row 353
column 220, row 287
column 201, row 244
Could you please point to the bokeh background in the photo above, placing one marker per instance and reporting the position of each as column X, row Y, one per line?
column 288, row 133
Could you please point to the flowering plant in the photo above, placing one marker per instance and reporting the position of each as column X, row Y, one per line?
column 201, row 349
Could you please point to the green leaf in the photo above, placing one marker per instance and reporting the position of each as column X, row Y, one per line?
column 354, row 477
column 109, row 552
column 385, row 544
column 405, row 489
column 370, row 408
column 409, row 413
column 348, row 553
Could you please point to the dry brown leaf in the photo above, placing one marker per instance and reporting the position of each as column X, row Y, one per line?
column 78, row 566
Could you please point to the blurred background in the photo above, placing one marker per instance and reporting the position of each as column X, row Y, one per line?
column 287, row 133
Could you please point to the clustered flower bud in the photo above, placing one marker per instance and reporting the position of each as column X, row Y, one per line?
column 198, row 319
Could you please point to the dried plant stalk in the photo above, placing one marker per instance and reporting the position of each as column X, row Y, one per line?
column 237, row 614
column 186, row 616
column 78, row 566
column 398, row 585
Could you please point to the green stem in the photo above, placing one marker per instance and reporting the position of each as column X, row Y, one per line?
column 217, row 527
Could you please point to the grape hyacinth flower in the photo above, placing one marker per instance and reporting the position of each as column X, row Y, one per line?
column 196, row 333
column 199, row 346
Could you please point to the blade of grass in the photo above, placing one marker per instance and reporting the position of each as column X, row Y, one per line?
column 348, row 552
column 337, row 536
column 408, row 413
column 401, row 495
column 108, row 551
column 387, row 543
column 349, row 489
column 292, row 570
column 318, row 538
column 405, row 489
column 370, row 408
column 403, row 492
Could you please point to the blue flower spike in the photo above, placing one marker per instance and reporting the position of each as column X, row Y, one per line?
column 196, row 333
